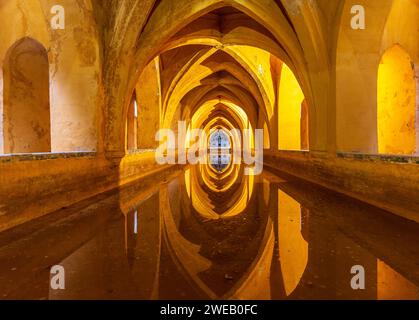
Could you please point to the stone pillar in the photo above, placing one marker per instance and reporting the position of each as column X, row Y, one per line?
column 304, row 126
column 417, row 107
column 1, row 114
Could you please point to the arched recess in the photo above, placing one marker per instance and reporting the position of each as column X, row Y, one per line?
column 26, row 115
column 28, row 21
column 358, row 57
column 402, row 29
column 75, row 72
column 396, row 103
column 292, row 112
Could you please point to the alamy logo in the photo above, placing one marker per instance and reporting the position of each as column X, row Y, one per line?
column 245, row 148
column 358, row 280
column 58, row 19
column 57, row 278
column 358, row 20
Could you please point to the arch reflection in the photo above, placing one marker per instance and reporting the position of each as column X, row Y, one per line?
column 218, row 196
column 217, row 234
column 283, row 243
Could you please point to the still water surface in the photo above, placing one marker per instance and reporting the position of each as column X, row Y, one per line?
column 202, row 235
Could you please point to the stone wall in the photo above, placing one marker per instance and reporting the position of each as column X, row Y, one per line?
column 34, row 185
column 390, row 183
column 74, row 68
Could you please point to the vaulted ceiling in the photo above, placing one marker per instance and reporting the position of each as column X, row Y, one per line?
column 227, row 52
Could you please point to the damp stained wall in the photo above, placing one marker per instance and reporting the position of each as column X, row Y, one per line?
column 396, row 103
column 74, row 67
column 26, row 117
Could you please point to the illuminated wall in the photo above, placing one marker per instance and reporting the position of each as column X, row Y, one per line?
column 289, row 113
column 266, row 137
column 396, row 103
column 73, row 67
column 148, row 100
column 258, row 62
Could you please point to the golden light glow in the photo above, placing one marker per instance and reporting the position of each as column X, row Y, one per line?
column 396, row 103
column 196, row 177
column 257, row 61
column 293, row 249
column 289, row 112
column 266, row 138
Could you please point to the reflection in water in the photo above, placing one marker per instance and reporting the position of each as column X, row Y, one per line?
column 219, row 196
column 293, row 248
column 209, row 235
column 392, row 285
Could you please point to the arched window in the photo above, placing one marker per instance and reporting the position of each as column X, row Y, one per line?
column 132, row 124
column 219, row 139
column 26, row 116
column 396, row 103
column 219, row 145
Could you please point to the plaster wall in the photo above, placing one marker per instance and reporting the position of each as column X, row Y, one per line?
column 35, row 185
column 74, row 70
column 26, row 112
column 358, row 56
column 149, row 105
column 289, row 115
column 396, row 103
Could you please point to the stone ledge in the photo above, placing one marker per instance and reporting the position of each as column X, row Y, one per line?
column 140, row 151
column 379, row 157
column 45, row 156
column 387, row 184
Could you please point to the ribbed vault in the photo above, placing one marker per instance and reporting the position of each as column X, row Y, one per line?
column 231, row 50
